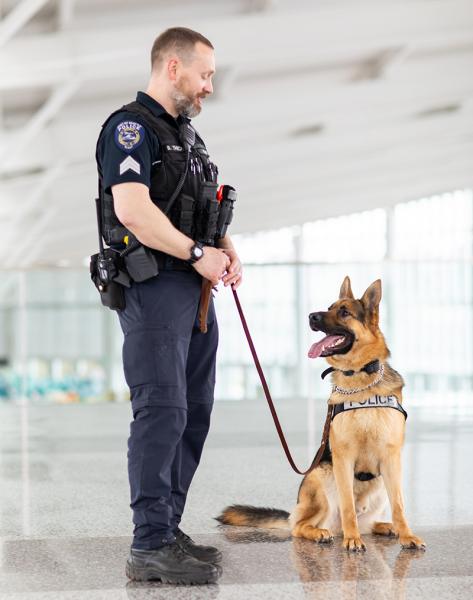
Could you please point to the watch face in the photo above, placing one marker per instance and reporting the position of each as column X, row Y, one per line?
column 198, row 252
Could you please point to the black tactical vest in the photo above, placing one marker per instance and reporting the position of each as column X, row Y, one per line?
column 166, row 172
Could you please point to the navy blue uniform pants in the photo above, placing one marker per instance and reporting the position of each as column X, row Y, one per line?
column 169, row 366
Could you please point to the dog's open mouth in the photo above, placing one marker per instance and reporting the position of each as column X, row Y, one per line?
column 332, row 344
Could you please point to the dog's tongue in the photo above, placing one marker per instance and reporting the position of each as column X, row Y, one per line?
column 317, row 348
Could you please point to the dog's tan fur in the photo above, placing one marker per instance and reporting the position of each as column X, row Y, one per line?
column 331, row 500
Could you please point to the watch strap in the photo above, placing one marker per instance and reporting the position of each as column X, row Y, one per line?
column 196, row 253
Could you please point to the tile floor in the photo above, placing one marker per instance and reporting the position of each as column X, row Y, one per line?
column 65, row 521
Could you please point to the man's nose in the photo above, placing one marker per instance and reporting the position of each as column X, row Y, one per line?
column 315, row 319
column 208, row 87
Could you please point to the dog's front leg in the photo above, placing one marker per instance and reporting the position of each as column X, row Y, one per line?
column 392, row 476
column 343, row 470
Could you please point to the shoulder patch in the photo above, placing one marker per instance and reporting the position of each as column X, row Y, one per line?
column 129, row 135
column 130, row 164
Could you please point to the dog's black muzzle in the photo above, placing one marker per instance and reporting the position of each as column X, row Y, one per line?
column 316, row 321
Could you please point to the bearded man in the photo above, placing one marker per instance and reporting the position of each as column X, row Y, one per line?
column 168, row 361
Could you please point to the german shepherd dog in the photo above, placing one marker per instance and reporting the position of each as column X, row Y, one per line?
column 348, row 492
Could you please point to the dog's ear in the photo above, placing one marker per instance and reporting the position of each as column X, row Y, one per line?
column 345, row 290
column 371, row 299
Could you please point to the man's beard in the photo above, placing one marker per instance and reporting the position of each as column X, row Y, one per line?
column 184, row 104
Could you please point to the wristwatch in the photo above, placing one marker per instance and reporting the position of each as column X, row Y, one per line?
column 197, row 252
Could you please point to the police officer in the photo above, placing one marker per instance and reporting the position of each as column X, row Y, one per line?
column 169, row 364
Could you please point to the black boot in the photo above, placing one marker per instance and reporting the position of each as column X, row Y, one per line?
column 207, row 554
column 170, row 564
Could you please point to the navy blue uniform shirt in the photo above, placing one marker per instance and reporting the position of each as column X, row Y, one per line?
column 128, row 146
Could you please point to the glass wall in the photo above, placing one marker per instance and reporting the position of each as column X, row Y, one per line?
column 58, row 344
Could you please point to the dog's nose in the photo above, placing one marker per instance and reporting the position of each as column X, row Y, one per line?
column 315, row 319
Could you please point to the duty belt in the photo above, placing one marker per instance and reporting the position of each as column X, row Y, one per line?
column 171, row 263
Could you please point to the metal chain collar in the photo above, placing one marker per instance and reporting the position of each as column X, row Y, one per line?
column 348, row 392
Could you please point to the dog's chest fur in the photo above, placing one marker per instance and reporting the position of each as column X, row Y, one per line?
column 365, row 435
column 370, row 502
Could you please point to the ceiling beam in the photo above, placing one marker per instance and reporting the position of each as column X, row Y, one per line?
column 378, row 65
column 23, row 210
column 37, row 122
column 367, row 108
column 17, row 18
column 65, row 14
column 324, row 36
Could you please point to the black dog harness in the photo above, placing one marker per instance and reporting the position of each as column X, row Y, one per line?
column 372, row 402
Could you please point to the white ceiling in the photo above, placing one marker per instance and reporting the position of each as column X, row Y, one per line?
column 321, row 108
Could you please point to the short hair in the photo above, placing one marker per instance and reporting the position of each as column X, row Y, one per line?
column 180, row 40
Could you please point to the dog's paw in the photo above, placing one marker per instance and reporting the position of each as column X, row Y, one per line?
column 384, row 529
column 324, row 536
column 412, row 542
column 354, row 544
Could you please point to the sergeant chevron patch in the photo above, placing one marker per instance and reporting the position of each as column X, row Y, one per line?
column 130, row 164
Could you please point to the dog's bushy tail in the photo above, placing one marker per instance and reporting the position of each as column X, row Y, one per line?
column 254, row 516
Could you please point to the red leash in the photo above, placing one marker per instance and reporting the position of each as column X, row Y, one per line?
column 320, row 451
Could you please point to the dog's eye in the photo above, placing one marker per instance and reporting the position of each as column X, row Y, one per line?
column 343, row 312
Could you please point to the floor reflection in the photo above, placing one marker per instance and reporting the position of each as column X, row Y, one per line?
column 314, row 563
column 156, row 591
column 319, row 562
column 385, row 565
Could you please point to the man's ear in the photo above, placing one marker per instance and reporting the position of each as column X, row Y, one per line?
column 345, row 290
column 172, row 68
column 371, row 299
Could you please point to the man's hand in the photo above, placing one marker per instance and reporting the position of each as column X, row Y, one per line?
column 234, row 271
column 213, row 264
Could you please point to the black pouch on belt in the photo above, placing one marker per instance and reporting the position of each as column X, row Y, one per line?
column 208, row 213
column 109, row 278
column 186, row 218
column 141, row 263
